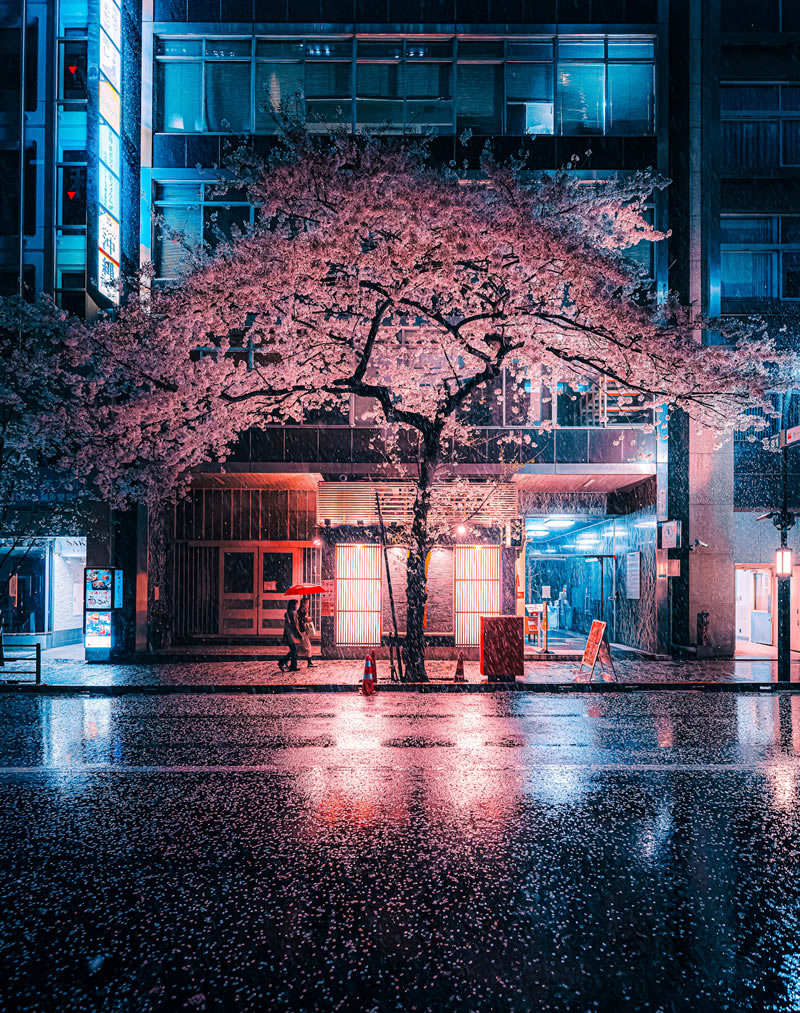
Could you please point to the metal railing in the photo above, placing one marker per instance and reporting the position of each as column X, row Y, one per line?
column 10, row 658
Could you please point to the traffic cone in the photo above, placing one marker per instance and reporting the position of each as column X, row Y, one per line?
column 459, row 676
column 368, row 679
column 374, row 666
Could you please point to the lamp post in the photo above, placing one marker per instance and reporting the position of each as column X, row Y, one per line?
column 784, row 522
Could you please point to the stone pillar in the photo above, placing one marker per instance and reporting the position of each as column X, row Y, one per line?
column 711, row 570
column 327, row 630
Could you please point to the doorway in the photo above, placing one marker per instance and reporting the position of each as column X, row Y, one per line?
column 581, row 587
column 236, row 589
column 755, row 614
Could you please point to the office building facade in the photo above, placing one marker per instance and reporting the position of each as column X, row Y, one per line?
column 609, row 86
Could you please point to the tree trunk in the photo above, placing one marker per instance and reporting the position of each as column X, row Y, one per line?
column 416, row 591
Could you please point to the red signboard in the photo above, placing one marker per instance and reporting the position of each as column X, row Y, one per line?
column 502, row 648
column 597, row 647
column 328, row 599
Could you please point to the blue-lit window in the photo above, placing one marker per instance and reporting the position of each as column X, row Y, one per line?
column 188, row 214
column 760, row 125
column 180, row 91
column 760, row 260
column 568, row 85
column 69, row 262
column 581, row 98
column 227, row 97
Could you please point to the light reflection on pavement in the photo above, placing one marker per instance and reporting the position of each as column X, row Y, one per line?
column 441, row 852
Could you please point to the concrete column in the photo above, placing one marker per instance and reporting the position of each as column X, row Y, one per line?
column 711, row 570
column 142, row 565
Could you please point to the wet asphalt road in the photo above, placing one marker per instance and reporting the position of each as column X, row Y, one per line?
column 492, row 852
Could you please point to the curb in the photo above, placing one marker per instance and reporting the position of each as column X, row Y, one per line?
column 276, row 689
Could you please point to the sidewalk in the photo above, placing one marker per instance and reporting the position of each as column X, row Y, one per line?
column 65, row 667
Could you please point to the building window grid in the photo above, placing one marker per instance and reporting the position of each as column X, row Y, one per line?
column 785, row 115
column 65, row 295
column 778, row 256
column 563, row 50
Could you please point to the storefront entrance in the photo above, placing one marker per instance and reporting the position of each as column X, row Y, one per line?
column 235, row 589
column 581, row 588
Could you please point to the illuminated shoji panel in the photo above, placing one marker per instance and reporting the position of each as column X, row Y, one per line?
column 477, row 589
column 358, row 595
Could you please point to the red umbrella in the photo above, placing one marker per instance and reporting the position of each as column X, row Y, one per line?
column 297, row 590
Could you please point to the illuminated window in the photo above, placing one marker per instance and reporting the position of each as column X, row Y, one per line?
column 760, row 259
column 477, row 589
column 549, row 85
column 358, row 595
column 760, row 125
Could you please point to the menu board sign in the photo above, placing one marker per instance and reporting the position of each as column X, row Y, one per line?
column 98, row 585
column 597, row 648
column 98, row 629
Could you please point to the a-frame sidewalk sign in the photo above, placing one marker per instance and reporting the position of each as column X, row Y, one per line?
column 597, row 647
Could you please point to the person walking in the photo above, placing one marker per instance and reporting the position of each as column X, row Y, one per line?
column 306, row 628
column 291, row 637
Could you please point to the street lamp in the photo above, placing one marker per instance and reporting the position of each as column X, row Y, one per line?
column 784, row 521
column 783, row 562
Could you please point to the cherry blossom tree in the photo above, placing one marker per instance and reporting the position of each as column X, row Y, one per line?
column 43, row 423
column 371, row 273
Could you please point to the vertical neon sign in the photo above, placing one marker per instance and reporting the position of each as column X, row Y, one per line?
column 109, row 212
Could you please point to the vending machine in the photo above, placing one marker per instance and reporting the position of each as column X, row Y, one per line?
column 102, row 607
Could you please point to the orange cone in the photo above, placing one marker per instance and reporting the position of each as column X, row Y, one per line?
column 374, row 666
column 459, row 676
column 368, row 679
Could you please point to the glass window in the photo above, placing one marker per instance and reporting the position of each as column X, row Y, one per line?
column 227, row 48
column 581, row 49
column 531, row 50
column 73, row 70
column 790, row 287
column 179, row 96
column 392, row 50
column 326, row 49
column 280, row 49
column 746, row 230
column 179, row 47
column 631, row 98
column 749, row 144
column 428, row 80
column 790, row 98
column 228, row 97
column 379, row 80
column 279, row 91
column 180, row 229
column 178, row 193
column 328, row 80
column 483, row 50
column 426, row 50
column 428, row 95
column 748, row 97
column 790, row 229
column 746, row 274
column 529, row 87
column 791, row 142
column 219, row 221
column 480, row 98
column 581, row 98
column 631, row 49
column 237, row 572
column 380, row 94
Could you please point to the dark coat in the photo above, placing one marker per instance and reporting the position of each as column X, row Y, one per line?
column 291, row 634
